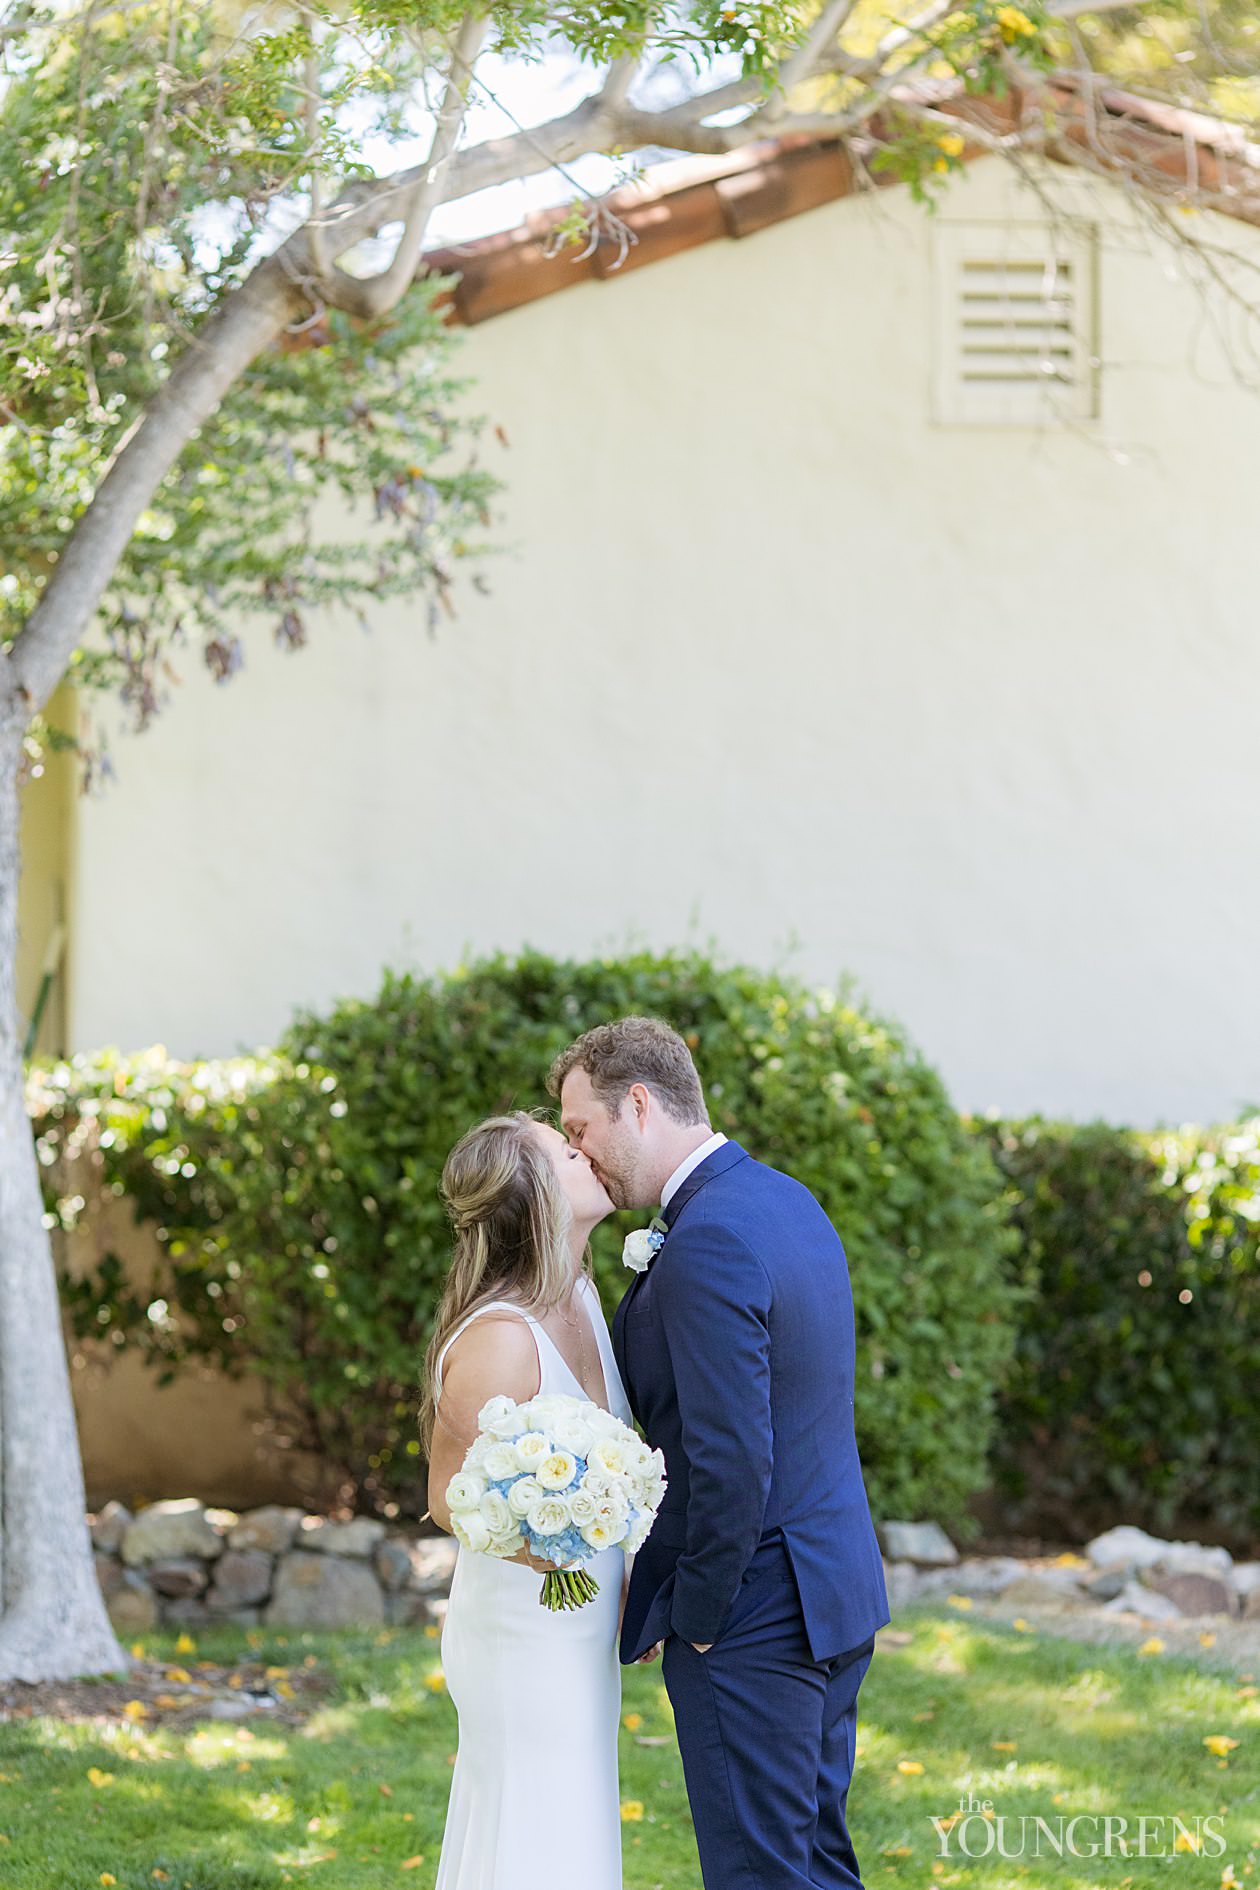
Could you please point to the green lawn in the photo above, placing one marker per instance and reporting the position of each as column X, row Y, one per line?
column 354, row 1797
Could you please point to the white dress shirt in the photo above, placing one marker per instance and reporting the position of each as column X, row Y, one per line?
column 685, row 1167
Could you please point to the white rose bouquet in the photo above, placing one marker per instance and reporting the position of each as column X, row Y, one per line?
column 560, row 1476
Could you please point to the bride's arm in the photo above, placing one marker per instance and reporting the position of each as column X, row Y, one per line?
column 494, row 1355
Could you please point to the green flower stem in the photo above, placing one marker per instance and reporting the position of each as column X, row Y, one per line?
column 567, row 1588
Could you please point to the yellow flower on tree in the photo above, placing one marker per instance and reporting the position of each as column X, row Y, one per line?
column 1013, row 23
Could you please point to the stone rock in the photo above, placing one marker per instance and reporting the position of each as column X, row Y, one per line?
column 901, row 1580
column 407, row 1609
column 1044, row 1588
column 188, row 1611
column 110, row 1573
column 178, row 1575
column 1251, row 1607
column 1134, row 1599
column 109, row 1526
column 178, row 1527
column 1246, row 1579
column 392, row 1562
column 324, row 1591
column 432, row 1564
column 1193, row 1592
column 241, row 1577
column 1107, row 1583
column 922, row 1542
column 134, row 1607
column 272, row 1528
column 358, row 1537
column 980, row 1576
column 1135, row 1550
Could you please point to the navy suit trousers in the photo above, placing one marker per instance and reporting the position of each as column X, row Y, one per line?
column 767, row 1737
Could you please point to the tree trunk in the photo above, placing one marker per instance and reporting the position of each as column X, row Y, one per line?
column 53, row 1622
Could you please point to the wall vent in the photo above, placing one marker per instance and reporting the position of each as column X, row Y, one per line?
column 1016, row 324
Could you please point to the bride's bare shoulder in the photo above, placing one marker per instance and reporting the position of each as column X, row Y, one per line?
column 495, row 1352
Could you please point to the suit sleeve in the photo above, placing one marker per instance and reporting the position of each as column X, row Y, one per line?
column 714, row 1299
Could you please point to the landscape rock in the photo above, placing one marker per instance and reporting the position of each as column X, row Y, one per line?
column 358, row 1537
column 133, row 1607
column 901, row 1582
column 1246, row 1579
column 322, row 1590
column 110, row 1573
column 1135, row 1550
column 1251, row 1607
column 1193, row 1592
column 432, row 1564
column 178, row 1527
column 273, row 1528
column 178, row 1575
column 1134, row 1599
column 922, row 1542
column 405, row 1608
column 978, row 1576
column 109, row 1526
column 241, row 1577
column 1044, row 1588
column 392, row 1562
column 1107, row 1583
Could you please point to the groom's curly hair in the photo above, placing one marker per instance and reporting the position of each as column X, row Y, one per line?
column 635, row 1050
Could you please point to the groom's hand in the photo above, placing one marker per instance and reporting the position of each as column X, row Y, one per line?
column 650, row 1653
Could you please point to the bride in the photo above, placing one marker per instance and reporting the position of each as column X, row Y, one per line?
column 534, row 1795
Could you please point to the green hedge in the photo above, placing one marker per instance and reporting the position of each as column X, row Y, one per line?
column 1135, row 1394
column 296, row 1198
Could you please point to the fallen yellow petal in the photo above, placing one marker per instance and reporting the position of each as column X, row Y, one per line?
column 412, row 1863
column 98, row 1777
column 185, row 1644
column 631, row 1810
column 1153, row 1646
column 135, row 1709
column 435, row 1681
column 959, row 1601
column 1021, row 1626
column 1220, row 1744
column 632, row 1721
column 1005, row 1745
column 1187, row 1841
column 911, row 1767
column 107, row 1876
column 1207, row 1639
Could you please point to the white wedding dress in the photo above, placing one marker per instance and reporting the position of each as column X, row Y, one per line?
column 535, row 1800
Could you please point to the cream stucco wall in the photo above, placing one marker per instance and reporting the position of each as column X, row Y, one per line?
column 775, row 662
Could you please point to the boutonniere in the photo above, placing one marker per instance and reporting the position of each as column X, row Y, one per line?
column 644, row 1244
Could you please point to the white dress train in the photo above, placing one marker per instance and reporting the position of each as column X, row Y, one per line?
column 535, row 1799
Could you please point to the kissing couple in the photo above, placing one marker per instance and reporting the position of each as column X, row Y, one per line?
column 759, row 1585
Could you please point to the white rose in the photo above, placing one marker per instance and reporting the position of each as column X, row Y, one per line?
column 495, row 1512
column 637, row 1249
column 500, row 1417
column 505, row 1546
column 531, row 1447
column 524, row 1492
column 471, row 1530
column 581, row 1505
column 465, row 1490
column 573, row 1433
column 557, row 1471
column 499, row 1462
column 613, row 1511
column 608, row 1455
column 550, row 1516
column 543, row 1410
column 599, row 1535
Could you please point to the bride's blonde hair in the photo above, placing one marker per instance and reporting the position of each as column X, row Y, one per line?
column 512, row 1225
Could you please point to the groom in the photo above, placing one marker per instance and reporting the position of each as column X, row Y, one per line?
column 761, row 1577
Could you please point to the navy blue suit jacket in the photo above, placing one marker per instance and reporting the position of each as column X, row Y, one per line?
column 736, row 1349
